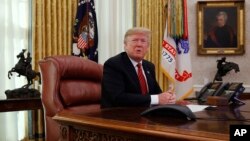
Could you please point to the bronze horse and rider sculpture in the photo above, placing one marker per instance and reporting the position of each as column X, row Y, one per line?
column 24, row 68
column 223, row 67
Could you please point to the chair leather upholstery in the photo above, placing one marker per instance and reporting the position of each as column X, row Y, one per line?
column 71, row 84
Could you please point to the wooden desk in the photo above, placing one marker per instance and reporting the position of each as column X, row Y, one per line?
column 7, row 105
column 126, row 124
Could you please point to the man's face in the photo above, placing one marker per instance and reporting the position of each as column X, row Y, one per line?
column 136, row 46
column 221, row 21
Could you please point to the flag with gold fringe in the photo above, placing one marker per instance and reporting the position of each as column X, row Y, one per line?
column 176, row 61
column 85, row 36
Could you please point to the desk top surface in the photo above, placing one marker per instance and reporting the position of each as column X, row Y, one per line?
column 210, row 124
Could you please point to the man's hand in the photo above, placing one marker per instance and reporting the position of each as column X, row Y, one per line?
column 167, row 98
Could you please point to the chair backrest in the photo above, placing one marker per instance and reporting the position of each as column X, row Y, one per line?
column 69, row 83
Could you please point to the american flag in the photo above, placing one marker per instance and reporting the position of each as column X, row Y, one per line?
column 85, row 32
column 82, row 41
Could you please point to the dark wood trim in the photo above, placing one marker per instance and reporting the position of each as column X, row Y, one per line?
column 20, row 104
column 244, row 96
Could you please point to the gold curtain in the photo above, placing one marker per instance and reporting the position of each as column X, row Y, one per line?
column 151, row 14
column 52, row 28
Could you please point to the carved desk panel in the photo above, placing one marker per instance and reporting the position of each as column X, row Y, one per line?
column 126, row 124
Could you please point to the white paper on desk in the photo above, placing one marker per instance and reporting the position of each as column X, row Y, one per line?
column 197, row 108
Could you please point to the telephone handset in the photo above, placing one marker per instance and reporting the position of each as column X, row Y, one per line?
column 208, row 90
column 229, row 90
column 232, row 92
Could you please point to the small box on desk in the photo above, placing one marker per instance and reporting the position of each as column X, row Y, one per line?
column 217, row 101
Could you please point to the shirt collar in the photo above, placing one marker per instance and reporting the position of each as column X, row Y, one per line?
column 134, row 62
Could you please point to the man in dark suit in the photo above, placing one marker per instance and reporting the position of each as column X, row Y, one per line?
column 122, row 85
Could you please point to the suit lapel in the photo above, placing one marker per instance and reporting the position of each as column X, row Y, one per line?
column 133, row 75
column 132, row 72
column 149, row 77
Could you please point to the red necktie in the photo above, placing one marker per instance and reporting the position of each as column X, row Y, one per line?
column 142, row 79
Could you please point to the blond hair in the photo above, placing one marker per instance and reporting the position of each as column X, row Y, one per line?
column 138, row 30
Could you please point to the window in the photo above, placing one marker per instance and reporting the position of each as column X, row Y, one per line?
column 15, row 26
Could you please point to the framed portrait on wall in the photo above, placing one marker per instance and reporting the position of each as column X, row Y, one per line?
column 221, row 26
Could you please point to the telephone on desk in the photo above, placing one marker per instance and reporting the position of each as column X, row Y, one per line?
column 231, row 91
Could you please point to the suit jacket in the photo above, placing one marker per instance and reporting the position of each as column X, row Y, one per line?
column 120, row 84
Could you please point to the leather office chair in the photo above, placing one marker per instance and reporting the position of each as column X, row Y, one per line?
column 71, row 84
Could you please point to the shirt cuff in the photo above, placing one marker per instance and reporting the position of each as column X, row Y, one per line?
column 154, row 100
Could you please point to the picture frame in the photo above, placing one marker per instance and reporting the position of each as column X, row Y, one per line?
column 221, row 27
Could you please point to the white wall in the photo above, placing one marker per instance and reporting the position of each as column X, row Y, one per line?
column 204, row 67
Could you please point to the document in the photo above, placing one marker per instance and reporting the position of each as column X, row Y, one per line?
column 197, row 108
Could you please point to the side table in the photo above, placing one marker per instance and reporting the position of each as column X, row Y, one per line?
column 19, row 104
